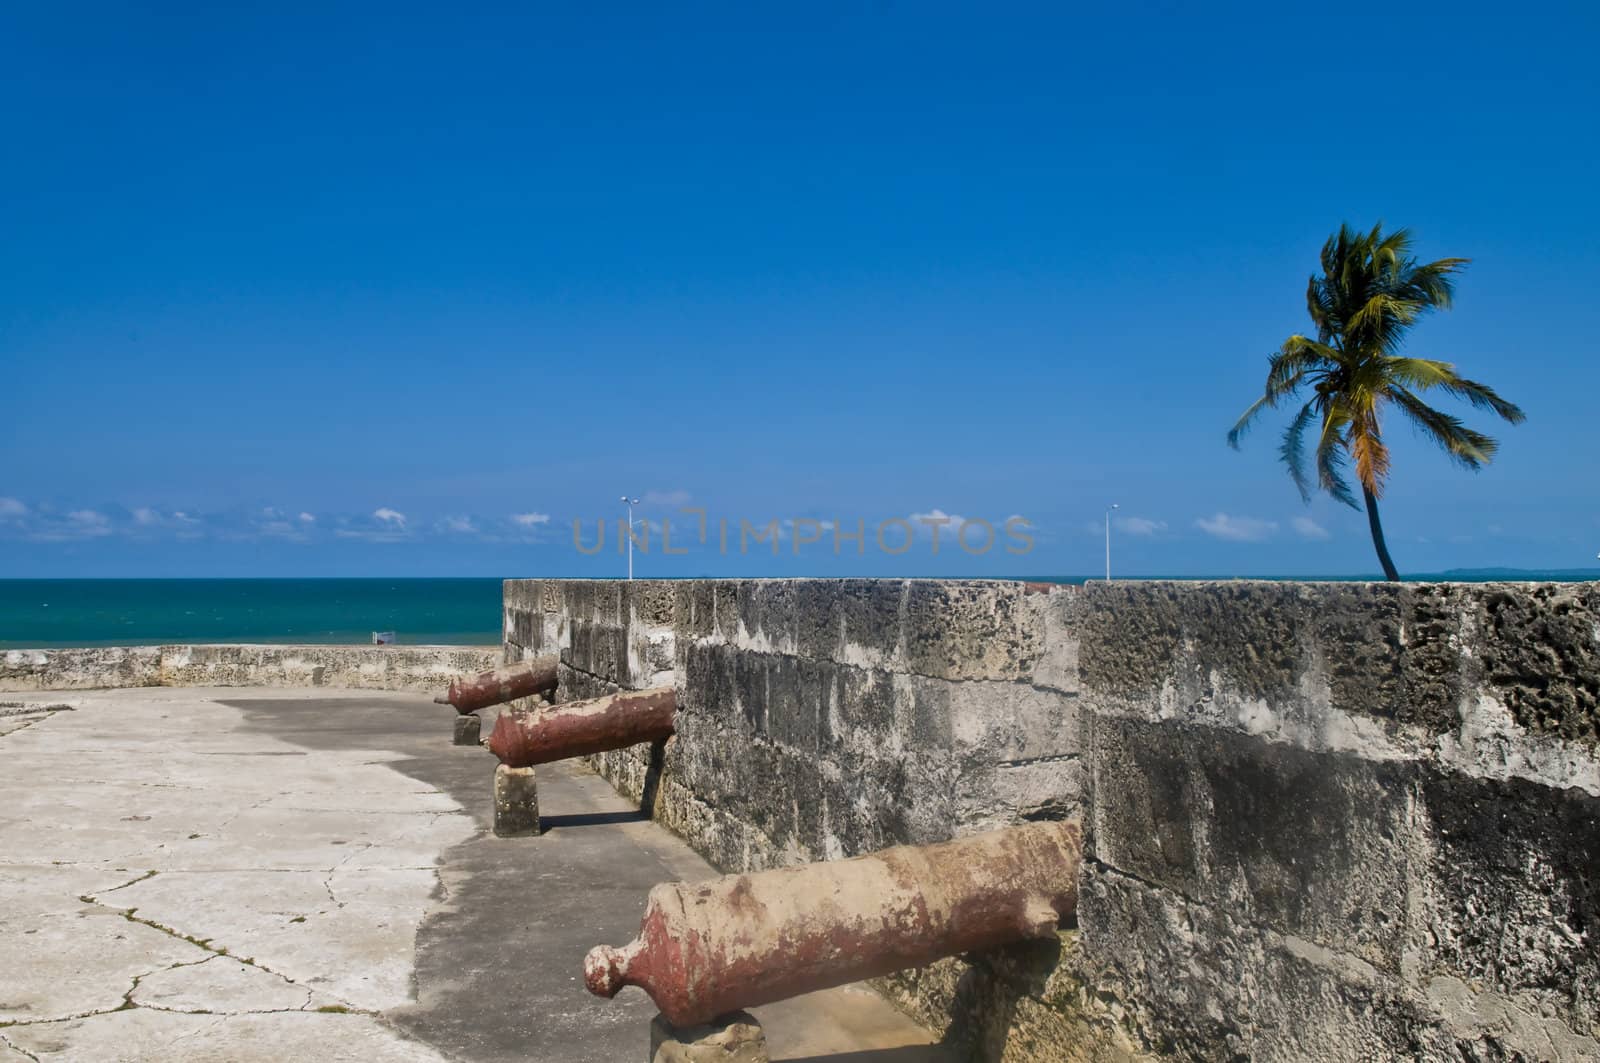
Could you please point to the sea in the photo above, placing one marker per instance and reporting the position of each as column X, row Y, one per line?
column 442, row 612
column 128, row 612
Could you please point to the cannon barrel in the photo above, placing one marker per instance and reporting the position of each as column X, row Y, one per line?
column 710, row 948
column 579, row 728
column 537, row 676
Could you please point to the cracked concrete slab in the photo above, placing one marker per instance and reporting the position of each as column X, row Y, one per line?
column 221, row 985
column 144, row 1034
column 171, row 876
column 273, row 874
column 345, row 933
column 64, row 956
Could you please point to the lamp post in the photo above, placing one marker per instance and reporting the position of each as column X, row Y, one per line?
column 630, row 503
column 1108, row 540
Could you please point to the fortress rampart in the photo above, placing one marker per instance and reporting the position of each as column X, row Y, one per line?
column 1348, row 821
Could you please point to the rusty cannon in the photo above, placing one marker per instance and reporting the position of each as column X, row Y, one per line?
column 706, row 950
column 501, row 685
column 526, row 679
column 559, row 732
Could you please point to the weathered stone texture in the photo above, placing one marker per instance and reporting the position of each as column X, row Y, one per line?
column 418, row 668
column 1542, row 657
column 1341, row 821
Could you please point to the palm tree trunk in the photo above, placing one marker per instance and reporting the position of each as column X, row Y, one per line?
column 1389, row 572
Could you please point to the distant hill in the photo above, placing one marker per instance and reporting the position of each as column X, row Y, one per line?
column 1487, row 575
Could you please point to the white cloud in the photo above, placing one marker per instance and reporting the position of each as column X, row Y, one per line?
column 458, row 525
column 666, row 498
column 384, row 526
column 1237, row 529
column 1139, row 525
column 11, row 509
column 147, row 518
column 528, row 520
column 79, row 524
column 1309, row 528
column 307, row 518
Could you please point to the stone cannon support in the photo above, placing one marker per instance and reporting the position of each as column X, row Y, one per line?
column 537, row 676
column 516, row 802
column 708, row 949
column 736, row 1038
column 579, row 728
column 468, row 729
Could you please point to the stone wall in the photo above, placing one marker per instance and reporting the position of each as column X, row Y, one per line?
column 1344, row 821
column 827, row 718
column 419, row 668
column 870, row 712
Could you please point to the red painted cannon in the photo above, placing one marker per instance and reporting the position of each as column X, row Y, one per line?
column 579, row 728
column 522, row 680
column 707, row 949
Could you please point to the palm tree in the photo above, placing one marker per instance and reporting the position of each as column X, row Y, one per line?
column 1370, row 293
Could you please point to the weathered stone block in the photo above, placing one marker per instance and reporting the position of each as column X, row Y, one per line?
column 871, row 616
column 521, row 594
column 516, row 802
column 1001, row 722
column 1059, row 612
column 974, row 630
column 736, row 1038
column 1310, row 844
column 693, row 613
column 467, row 730
column 990, row 796
column 1513, row 887
column 599, row 649
column 649, row 602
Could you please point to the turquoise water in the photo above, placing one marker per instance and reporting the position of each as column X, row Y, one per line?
column 89, row 612
column 460, row 612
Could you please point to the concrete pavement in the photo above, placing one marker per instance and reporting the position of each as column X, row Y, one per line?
column 268, row 874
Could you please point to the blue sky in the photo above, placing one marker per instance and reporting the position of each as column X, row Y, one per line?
column 377, row 290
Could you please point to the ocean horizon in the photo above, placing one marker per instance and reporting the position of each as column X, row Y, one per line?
column 44, row 613
column 447, row 611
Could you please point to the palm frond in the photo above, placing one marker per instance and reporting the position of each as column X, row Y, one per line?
column 1242, row 425
column 1424, row 374
column 1286, row 370
column 1431, row 285
column 1468, row 448
column 1382, row 312
column 1293, row 449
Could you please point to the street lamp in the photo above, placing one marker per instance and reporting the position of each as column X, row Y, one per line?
column 630, row 503
column 1108, row 540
